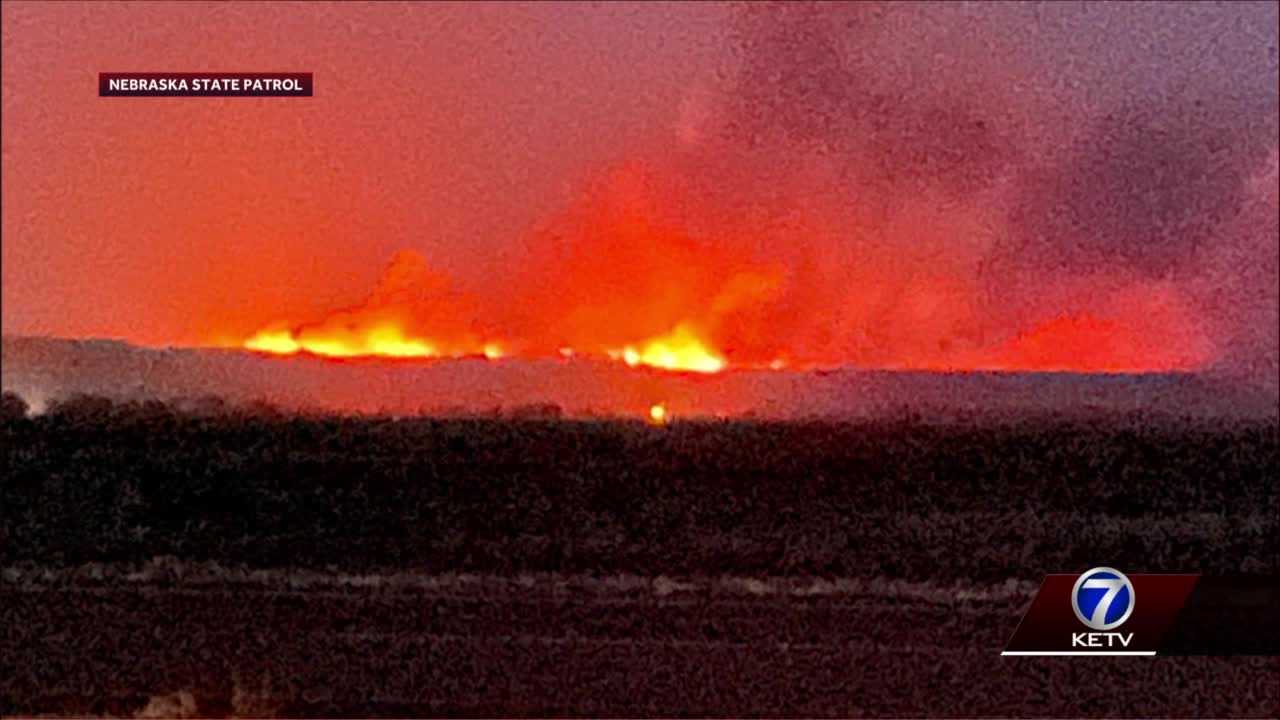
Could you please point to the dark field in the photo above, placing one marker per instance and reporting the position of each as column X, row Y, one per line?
column 281, row 565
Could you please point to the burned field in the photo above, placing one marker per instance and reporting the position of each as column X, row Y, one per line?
column 247, row 562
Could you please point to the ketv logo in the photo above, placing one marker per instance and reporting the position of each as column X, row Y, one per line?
column 1103, row 599
column 1095, row 613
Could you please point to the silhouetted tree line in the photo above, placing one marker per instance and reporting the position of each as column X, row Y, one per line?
column 91, row 479
column 12, row 407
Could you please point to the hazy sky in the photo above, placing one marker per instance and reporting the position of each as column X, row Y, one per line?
column 975, row 168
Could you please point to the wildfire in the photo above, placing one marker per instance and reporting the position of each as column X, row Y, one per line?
column 1081, row 343
column 380, row 341
column 680, row 349
column 280, row 342
column 623, row 275
column 413, row 312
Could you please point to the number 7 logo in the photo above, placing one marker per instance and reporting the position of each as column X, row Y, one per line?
column 1092, row 609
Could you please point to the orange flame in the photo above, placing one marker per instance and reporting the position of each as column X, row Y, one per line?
column 379, row 341
column 621, row 276
column 681, row 349
column 379, row 328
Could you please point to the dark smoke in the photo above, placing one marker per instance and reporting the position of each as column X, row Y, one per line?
column 1110, row 155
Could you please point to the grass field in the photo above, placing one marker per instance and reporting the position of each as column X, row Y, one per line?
column 265, row 564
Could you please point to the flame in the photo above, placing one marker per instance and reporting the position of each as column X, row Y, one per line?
column 680, row 350
column 389, row 323
column 1079, row 342
column 280, row 342
column 658, row 414
column 379, row 341
column 412, row 313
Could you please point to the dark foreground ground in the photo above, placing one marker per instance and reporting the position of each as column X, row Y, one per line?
column 252, row 564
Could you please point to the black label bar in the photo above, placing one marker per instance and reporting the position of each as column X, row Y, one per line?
column 146, row 84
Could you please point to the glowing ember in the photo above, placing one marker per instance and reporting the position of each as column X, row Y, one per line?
column 658, row 414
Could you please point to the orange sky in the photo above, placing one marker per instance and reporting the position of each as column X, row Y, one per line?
column 163, row 221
